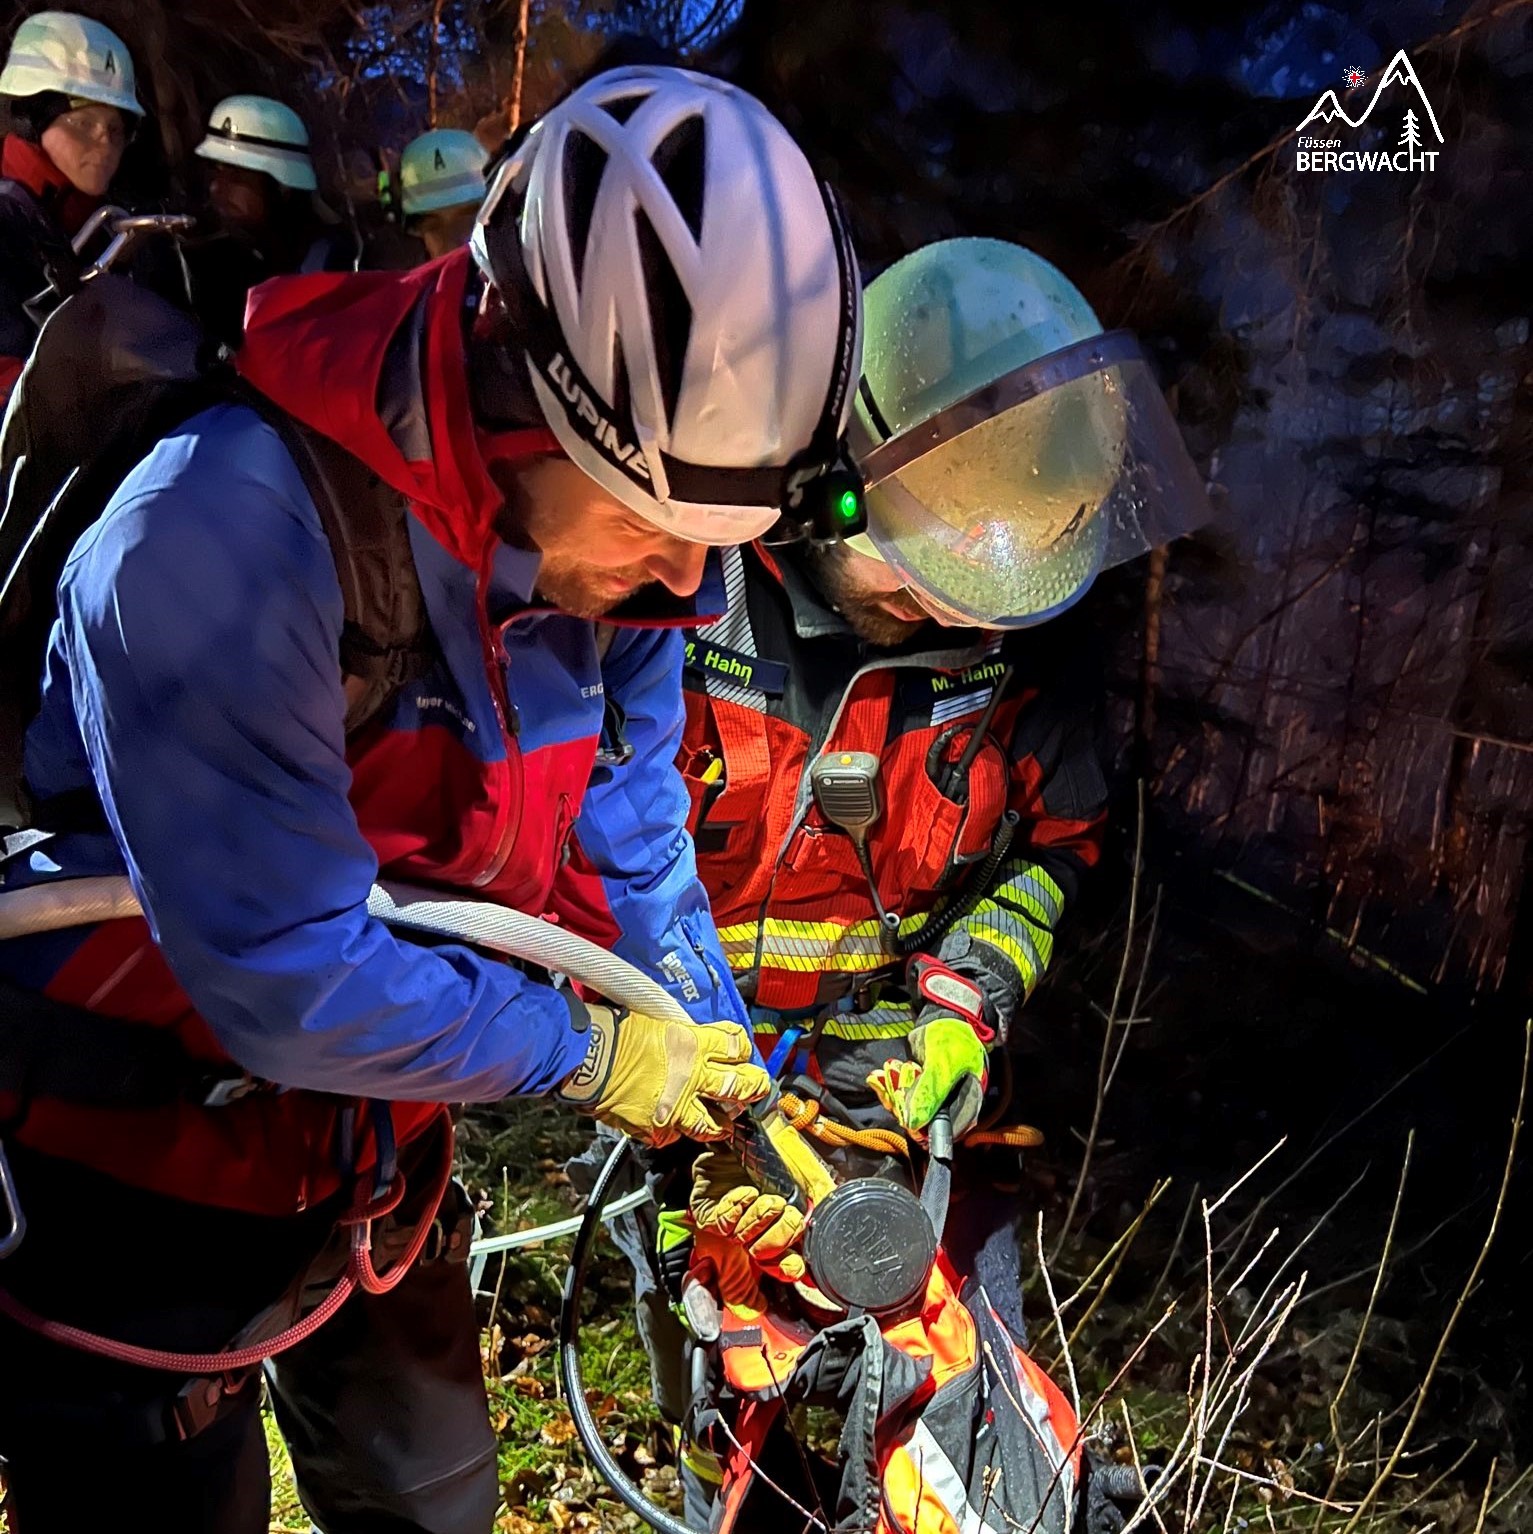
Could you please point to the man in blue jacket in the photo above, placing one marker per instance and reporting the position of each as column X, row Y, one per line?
column 653, row 351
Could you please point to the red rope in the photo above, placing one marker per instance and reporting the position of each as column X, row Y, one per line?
column 228, row 1361
column 359, row 1274
column 363, row 1273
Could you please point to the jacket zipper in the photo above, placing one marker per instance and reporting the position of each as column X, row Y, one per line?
column 508, row 813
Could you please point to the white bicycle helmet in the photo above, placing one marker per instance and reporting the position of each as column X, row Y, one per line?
column 78, row 57
column 257, row 133
column 441, row 169
column 696, row 314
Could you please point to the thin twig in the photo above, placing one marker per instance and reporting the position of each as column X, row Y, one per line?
column 1347, row 1128
column 514, row 108
column 1490, row 1481
column 1059, row 1321
column 1104, row 1062
column 1106, row 1258
column 1176, row 1246
column 797, row 1506
column 1378, row 1284
column 1339, row 1469
column 1130, row 1234
column 1463, row 1298
column 1083, row 1424
column 1267, row 1481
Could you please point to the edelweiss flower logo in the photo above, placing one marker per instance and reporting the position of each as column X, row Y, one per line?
column 1353, row 77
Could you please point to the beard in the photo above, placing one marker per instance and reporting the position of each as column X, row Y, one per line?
column 864, row 610
column 583, row 592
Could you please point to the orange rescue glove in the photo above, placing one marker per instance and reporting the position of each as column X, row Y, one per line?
column 723, row 1264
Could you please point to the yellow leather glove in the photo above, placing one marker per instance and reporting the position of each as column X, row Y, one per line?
column 658, row 1081
column 727, row 1204
column 947, row 1060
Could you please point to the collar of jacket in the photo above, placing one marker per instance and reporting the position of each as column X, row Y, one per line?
column 813, row 617
column 377, row 362
column 28, row 165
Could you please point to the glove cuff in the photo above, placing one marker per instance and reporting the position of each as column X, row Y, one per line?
column 588, row 1081
column 956, row 996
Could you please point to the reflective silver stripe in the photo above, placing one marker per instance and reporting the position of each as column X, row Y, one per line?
column 1032, row 880
column 734, row 632
column 937, row 1473
column 949, row 708
column 1034, row 1410
column 467, row 186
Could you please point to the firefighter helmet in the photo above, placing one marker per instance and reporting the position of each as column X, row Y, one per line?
column 1012, row 450
column 257, row 133
column 441, row 169
column 73, row 55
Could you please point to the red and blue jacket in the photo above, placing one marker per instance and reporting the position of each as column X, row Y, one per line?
column 192, row 682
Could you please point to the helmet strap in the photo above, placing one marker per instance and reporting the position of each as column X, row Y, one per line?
column 823, row 491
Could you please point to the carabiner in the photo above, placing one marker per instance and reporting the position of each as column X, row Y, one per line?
column 15, row 1219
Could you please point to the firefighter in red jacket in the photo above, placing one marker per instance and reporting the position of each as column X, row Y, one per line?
column 894, row 773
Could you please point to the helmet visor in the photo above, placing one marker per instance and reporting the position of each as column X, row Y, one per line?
column 1002, row 509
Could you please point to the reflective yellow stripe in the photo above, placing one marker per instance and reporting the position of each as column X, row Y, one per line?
column 892, row 1020
column 1037, row 941
column 1021, row 955
column 806, row 947
column 1032, row 888
column 861, row 1031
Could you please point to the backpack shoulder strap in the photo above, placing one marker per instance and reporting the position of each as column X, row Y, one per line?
column 386, row 640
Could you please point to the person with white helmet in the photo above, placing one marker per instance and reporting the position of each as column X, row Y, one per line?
column 263, row 195
column 1012, row 451
column 652, row 359
column 68, row 82
column 441, row 184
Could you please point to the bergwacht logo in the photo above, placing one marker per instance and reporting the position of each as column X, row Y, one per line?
column 1318, row 151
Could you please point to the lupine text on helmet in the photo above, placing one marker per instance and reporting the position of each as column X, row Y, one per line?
column 602, row 432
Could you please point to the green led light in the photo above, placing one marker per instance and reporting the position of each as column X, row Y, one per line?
column 849, row 505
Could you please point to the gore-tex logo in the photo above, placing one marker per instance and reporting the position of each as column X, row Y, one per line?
column 603, row 433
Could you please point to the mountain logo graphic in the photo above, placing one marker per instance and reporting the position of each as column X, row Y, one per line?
column 1319, row 150
column 1400, row 72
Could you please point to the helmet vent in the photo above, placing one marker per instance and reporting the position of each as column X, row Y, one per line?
column 622, row 395
column 625, row 106
column 682, row 164
column 584, row 163
column 670, row 313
